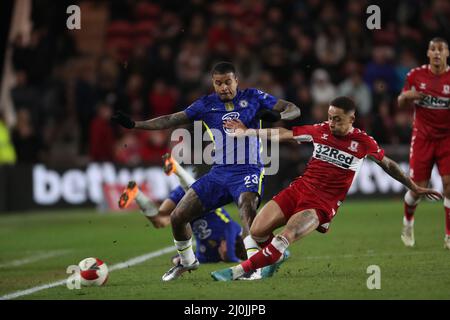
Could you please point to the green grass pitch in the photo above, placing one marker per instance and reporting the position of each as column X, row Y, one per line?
column 36, row 248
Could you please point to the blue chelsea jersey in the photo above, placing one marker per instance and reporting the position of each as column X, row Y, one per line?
column 212, row 111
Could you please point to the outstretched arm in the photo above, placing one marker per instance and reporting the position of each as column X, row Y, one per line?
column 288, row 110
column 393, row 169
column 240, row 130
column 163, row 122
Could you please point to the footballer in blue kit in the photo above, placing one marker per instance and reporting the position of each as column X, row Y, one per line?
column 237, row 172
column 238, row 169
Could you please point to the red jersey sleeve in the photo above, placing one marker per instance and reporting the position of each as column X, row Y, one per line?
column 373, row 149
column 303, row 133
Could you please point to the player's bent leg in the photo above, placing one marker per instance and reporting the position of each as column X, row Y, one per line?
column 268, row 219
column 187, row 209
column 410, row 204
column 300, row 225
column 265, row 223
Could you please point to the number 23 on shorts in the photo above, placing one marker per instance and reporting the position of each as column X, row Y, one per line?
column 251, row 179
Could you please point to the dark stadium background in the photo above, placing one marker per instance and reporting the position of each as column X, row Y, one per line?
column 149, row 58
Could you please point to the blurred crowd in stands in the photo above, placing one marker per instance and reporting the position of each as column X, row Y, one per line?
column 156, row 57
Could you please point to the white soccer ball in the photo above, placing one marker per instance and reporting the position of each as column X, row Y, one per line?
column 93, row 272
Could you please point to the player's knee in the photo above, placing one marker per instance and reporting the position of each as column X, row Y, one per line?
column 256, row 232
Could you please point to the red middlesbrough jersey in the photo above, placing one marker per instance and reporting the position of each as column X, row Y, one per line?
column 335, row 159
column 432, row 114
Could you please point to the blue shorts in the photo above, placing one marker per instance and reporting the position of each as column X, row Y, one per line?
column 224, row 184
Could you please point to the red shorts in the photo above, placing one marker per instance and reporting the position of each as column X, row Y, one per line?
column 424, row 153
column 297, row 197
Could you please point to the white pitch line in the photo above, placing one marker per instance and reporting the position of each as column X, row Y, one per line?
column 151, row 255
column 118, row 266
column 31, row 259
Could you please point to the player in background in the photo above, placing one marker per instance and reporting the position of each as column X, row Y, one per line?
column 239, row 180
column 218, row 237
column 427, row 88
column 312, row 200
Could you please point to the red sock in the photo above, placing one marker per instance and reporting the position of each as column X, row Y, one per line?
column 264, row 257
column 447, row 220
column 409, row 211
column 267, row 242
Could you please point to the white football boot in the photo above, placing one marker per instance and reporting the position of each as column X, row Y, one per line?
column 447, row 242
column 176, row 271
column 251, row 275
column 408, row 233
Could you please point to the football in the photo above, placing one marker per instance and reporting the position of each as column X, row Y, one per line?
column 93, row 272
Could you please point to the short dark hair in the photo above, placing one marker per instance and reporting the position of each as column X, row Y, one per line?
column 223, row 67
column 439, row 39
column 345, row 103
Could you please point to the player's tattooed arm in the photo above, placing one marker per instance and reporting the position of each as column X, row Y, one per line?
column 275, row 134
column 164, row 122
column 288, row 110
column 393, row 169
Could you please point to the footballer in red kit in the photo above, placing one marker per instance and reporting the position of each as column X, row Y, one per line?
column 312, row 200
column 329, row 174
column 427, row 89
